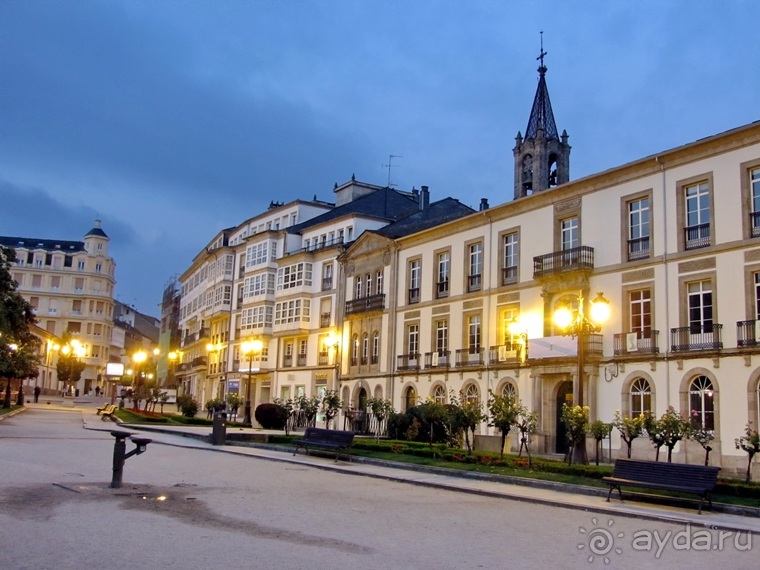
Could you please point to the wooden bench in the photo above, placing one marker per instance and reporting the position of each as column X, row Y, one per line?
column 108, row 413
column 696, row 479
column 326, row 439
column 103, row 407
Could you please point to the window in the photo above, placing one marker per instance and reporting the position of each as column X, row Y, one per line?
column 410, row 398
column 259, row 253
column 701, row 402
column 327, row 276
column 295, row 275
column 697, row 228
column 36, row 281
column 80, row 265
column 355, row 350
column 293, row 311
column 375, row 347
column 475, row 267
column 359, row 289
column 638, row 229
column 443, row 264
column 79, row 284
column 379, row 282
column 368, row 285
column 641, row 312
column 258, row 285
column 365, row 348
column 508, row 316
column 413, row 339
column 255, row 318
column 700, row 307
column 442, row 337
column 509, row 391
column 414, row 280
column 98, row 268
column 640, row 397
column 55, row 283
column 754, row 181
column 509, row 269
column 471, row 394
column 34, row 303
column 439, row 395
column 473, row 333
column 756, row 276
column 568, row 233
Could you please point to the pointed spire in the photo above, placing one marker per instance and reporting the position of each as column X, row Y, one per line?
column 541, row 115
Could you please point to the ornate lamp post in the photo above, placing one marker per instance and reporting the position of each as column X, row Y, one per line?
column 249, row 348
column 579, row 326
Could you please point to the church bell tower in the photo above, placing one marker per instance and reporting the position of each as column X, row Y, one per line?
column 542, row 158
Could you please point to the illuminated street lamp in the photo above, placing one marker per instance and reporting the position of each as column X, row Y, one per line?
column 580, row 327
column 217, row 349
column 249, row 348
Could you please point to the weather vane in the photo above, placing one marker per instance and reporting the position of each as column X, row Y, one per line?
column 542, row 53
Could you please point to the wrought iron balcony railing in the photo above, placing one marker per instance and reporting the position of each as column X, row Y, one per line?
column 748, row 333
column 696, row 337
column 366, row 304
column 409, row 362
column 754, row 222
column 469, row 357
column 505, row 353
column 697, row 236
column 443, row 289
column 437, row 359
column 509, row 275
column 573, row 259
column 640, row 342
column 638, row 248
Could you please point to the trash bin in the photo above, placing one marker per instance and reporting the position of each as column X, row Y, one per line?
column 219, row 430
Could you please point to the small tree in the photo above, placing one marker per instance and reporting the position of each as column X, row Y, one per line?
column 750, row 443
column 654, row 432
column 600, row 431
column 703, row 436
column 503, row 414
column 629, row 428
column 309, row 407
column 575, row 419
column 528, row 425
column 673, row 427
column 330, row 406
column 288, row 408
column 381, row 409
column 233, row 403
column 467, row 415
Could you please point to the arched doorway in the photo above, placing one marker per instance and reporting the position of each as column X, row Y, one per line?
column 361, row 424
column 564, row 396
column 362, row 400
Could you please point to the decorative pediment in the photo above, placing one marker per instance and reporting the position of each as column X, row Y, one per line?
column 369, row 243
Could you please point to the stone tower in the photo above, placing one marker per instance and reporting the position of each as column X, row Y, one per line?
column 542, row 158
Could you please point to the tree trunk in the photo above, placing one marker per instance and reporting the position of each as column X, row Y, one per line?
column 629, row 443
column 503, row 441
column 670, row 454
column 708, row 449
column 749, row 467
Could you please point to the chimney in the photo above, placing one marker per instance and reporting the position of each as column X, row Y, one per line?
column 424, row 201
column 483, row 204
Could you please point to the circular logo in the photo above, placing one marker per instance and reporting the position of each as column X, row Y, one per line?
column 600, row 541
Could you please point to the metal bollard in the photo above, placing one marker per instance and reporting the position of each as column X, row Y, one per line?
column 219, row 429
column 120, row 454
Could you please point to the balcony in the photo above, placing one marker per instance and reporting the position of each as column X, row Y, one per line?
column 509, row 275
column 469, row 357
column 365, row 304
column 748, row 333
column 638, row 248
column 287, row 361
column 194, row 337
column 323, row 358
column 697, row 236
column 474, row 283
column 437, row 359
column 414, row 295
column 754, row 223
column 505, row 354
column 574, row 259
column 301, row 360
column 199, row 362
column 696, row 337
column 633, row 343
column 442, row 289
column 324, row 320
column 327, row 284
column 409, row 362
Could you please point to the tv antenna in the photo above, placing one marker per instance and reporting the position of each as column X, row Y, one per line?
column 391, row 165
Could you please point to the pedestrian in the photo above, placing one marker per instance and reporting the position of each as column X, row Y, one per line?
column 37, row 391
column 97, row 391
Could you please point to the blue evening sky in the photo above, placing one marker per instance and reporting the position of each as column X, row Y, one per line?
column 170, row 120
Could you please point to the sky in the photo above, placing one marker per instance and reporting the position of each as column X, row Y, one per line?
column 170, row 120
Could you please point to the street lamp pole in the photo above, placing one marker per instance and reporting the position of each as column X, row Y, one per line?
column 581, row 327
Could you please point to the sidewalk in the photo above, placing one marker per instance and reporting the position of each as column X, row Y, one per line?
column 589, row 499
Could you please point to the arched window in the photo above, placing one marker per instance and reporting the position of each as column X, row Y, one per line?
column 375, row 347
column 509, row 391
column 410, row 398
column 701, row 402
column 355, row 349
column 640, row 397
column 471, row 394
column 365, row 348
column 439, row 395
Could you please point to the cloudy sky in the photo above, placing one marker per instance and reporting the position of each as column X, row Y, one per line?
column 170, row 120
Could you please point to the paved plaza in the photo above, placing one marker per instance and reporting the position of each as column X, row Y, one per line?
column 187, row 504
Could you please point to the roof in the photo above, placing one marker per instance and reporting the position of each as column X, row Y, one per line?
column 437, row 213
column 44, row 244
column 541, row 115
column 385, row 203
column 96, row 231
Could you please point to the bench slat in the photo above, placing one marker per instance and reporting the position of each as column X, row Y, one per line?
column 327, row 439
